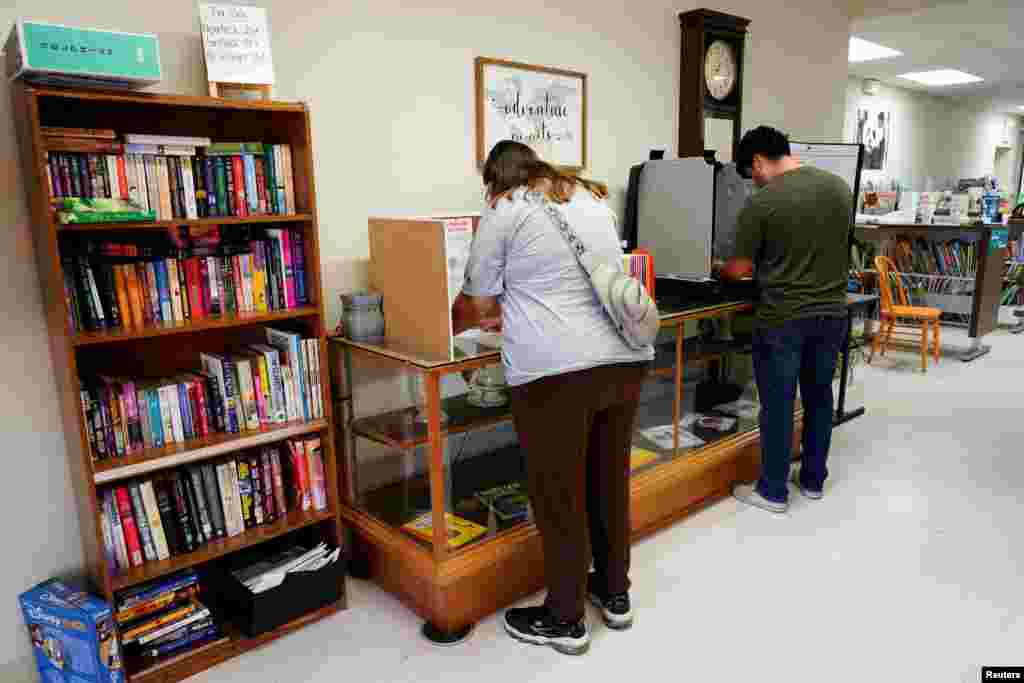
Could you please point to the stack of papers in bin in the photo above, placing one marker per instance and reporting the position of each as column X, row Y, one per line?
column 270, row 572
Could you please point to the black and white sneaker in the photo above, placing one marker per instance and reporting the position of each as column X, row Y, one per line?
column 615, row 607
column 537, row 626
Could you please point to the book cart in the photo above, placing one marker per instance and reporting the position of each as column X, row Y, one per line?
column 968, row 298
column 168, row 349
column 417, row 453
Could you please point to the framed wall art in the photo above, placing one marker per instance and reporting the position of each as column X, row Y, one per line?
column 541, row 107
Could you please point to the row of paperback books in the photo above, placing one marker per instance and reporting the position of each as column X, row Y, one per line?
column 164, row 619
column 954, row 258
column 1013, row 293
column 263, row 385
column 175, row 177
column 178, row 512
column 120, row 284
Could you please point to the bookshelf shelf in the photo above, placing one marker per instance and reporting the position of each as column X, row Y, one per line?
column 234, row 644
column 152, row 100
column 196, row 450
column 165, row 351
column 297, row 519
column 163, row 225
column 211, row 323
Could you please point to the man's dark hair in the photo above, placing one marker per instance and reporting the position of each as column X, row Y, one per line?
column 769, row 142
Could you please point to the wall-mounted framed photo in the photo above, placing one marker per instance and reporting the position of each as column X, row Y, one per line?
column 541, row 107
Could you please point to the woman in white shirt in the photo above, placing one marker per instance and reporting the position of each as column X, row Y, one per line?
column 575, row 385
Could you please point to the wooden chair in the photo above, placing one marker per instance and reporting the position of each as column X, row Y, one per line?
column 896, row 312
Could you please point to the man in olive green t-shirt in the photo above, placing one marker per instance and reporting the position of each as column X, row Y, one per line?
column 792, row 237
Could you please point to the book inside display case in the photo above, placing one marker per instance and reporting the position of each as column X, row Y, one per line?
column 188, row 339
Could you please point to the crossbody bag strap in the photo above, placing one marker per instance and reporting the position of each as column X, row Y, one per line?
column 576, row 245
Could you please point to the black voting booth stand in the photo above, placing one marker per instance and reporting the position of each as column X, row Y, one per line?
column 843, row 159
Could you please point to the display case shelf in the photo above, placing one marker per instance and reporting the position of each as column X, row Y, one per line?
column 400, row 429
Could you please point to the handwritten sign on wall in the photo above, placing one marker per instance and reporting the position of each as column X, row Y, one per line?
column 540, row 107
column 236, row 42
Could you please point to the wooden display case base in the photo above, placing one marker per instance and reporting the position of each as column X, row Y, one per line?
column 476, row 582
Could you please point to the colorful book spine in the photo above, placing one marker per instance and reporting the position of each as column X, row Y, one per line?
column 299, row 266
column 300, row 476
column 289, row 268
column 156, row 527
column 131, row 531
column 251, row 193
column 198, row 492
column 185, row 410
column 245, row 493
column 315, row 462
column 258, row 506
column 142, row 522
column 277, row 472
column 117, row 531
column 238, row 182
column 213, row 500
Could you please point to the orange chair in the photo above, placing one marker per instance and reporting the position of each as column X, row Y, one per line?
column 898, row 313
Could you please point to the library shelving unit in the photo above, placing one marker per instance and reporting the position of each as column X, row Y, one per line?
column 431, row 453
column 155, row 351
column 972, row 297
column 1014, row 263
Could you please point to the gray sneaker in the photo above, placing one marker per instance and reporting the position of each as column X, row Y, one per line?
column 747, row 493
column 810, row 494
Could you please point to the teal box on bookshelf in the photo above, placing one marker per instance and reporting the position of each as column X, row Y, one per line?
column 66, row 55
column 73, row 635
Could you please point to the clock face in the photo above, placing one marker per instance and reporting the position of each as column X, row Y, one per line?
column 720, row 69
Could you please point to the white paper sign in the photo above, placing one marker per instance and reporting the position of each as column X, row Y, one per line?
column 236, row 42
column 458, row 240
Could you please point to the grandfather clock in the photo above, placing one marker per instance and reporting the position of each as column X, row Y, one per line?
column 711, row 80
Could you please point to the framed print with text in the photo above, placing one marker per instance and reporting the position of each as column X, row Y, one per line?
column 541, row 107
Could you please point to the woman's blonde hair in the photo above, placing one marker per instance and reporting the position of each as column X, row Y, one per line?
column 511, row 165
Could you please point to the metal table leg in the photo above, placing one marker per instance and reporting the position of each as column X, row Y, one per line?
column 841, row 415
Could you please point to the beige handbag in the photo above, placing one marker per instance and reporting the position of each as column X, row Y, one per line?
column 624, row 298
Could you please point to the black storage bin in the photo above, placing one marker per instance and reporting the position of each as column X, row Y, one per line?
column 299, row 594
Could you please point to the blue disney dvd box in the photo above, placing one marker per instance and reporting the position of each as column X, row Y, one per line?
column 73, row 635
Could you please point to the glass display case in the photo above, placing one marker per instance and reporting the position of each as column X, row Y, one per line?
column 434, row 486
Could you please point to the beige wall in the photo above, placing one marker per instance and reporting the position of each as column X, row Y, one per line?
column 390, row 86
column 937, row 139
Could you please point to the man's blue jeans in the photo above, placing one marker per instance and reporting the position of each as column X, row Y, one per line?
column 805, row 351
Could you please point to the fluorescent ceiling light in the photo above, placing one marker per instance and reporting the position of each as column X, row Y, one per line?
column 865, row 51
column 941, row 77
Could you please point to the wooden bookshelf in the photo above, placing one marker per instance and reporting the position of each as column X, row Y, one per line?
column 295, row 520
column 163, row 225
column 164, row 350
